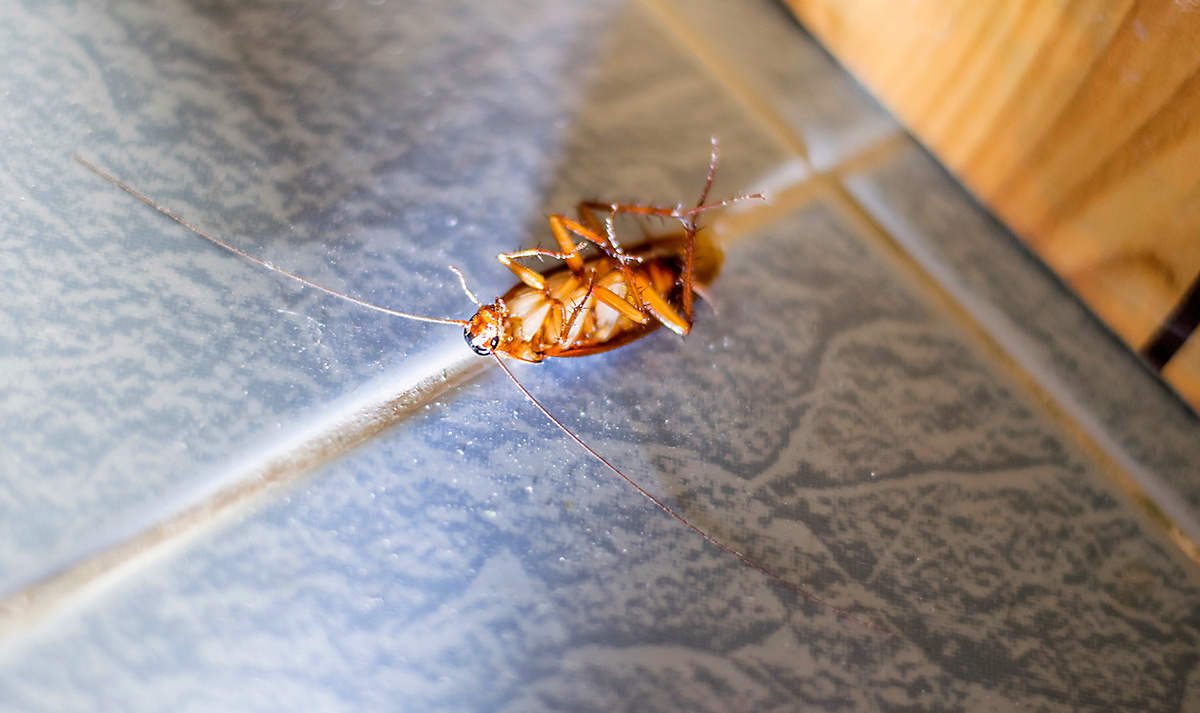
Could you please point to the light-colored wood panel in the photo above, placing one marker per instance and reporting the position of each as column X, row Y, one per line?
column 1066, row 42
column 1183, row 371
column 1077, row 122
column 1123, row 89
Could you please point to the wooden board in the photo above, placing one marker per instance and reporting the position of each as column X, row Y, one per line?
column 1078, row 123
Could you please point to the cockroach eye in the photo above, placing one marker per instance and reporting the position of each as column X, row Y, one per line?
column 482, row 349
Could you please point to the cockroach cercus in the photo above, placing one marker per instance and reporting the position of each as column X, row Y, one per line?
column 585, row 306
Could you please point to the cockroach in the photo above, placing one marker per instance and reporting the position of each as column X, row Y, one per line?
column 585, row 306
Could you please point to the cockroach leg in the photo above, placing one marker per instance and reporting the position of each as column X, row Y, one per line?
column 622, row 305
column 661, row 309
column 607, row 243
column 531, row 277
column 569, row 324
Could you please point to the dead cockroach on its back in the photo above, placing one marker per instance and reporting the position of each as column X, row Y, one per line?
column 587, row 305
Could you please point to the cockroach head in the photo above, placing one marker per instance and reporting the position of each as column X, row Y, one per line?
column 485, row 332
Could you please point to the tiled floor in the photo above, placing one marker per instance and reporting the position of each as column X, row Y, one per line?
column 223, row 491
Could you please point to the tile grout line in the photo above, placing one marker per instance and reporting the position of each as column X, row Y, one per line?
column 345, row 424
column 815, row 183
column 388, row 401
column 994, row 331
column 1003, row 342
column 349, row 422
column 728, row 77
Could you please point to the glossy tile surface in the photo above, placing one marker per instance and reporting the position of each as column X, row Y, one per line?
column 1149, row 430
column 141, row 360
column 848, row 416
column 765, row 59
column 473, row 560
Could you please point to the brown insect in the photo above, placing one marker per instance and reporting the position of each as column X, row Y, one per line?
column 585, row 306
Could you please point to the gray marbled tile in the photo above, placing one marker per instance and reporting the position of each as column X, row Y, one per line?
column 829, row 420
column 786, row 74
column 1127, row 409
column 366, row 146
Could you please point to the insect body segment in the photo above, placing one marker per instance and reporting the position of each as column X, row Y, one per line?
column 606, row 301
column 589, row 306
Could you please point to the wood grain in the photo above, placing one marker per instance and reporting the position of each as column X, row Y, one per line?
column 1078, row 123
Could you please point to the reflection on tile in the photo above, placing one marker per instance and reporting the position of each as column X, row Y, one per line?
column 645, row 118
column 829, row 420
column 364, row 149
column 139, row 358
column 1053, row 336
column 789, row 77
